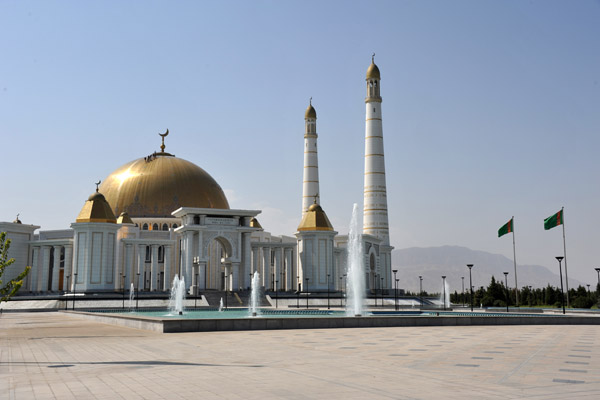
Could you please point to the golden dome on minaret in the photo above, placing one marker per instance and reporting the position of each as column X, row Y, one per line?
column 373, row 71
column 157, row 185
column 310, row 111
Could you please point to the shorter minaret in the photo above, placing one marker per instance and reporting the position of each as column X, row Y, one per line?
column 310, row 183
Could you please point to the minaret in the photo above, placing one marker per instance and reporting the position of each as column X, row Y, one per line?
column 375, row 214
column 310, row 183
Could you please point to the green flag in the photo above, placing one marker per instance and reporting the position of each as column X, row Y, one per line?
column 555, row 220
column 506, row 228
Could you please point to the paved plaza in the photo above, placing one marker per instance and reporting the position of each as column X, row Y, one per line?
column 59, row 356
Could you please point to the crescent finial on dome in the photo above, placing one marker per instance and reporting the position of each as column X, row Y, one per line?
column 98, row 184
column 163, row 135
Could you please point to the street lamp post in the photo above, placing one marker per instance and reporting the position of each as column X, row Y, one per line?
column 66, row 298
column 196, row 297
column 345, row 280
column 341, row 293
column 421, row 290
column 506, row 283
column 381, row 289
column 328, row 291
column 137, row 292
column 298, row 292
column 226, row 277
column 470, row 285
column 588, row 289
column 463, row 290
column 397, row 280
column 598, row 286
column 276, row 294
column 123, row 288
column 562, row 299
column 395, row 290
column 306, row 289
column 444, row 291
column 74, row 288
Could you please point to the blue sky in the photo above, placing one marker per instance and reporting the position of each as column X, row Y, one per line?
column 490, row 109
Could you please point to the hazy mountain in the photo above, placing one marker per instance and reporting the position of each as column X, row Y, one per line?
column 433, row 262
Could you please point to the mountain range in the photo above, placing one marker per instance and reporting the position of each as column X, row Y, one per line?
column 433, row 262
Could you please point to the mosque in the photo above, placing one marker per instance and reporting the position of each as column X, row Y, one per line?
column 159, row 215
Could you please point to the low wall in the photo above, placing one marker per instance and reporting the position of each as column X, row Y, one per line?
column 172, row 325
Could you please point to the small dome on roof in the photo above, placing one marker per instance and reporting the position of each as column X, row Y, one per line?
column 255, row 224
column 315, row 219
column 124, row 218
column 96, row 209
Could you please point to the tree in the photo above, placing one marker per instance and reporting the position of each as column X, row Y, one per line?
column 7, row 291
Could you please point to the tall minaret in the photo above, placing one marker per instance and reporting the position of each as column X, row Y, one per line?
column 375, row 214
column 310, row 183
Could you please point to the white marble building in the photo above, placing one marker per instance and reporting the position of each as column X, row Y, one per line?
column 160, row 215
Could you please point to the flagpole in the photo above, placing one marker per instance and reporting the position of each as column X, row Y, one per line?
column 562, row 219
column 515, row 260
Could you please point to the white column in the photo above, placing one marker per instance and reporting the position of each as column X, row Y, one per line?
column 68, row 265
column 45, row 268
column 267, row 268
column 154, row 269
column 277, row 269
column 140, row 266
column 35, row 269
column 167, row 267
column 289, row 269
column 189, row 258
column 202, row 275
column 235, row 278
column 56, row 268
column 127, row 266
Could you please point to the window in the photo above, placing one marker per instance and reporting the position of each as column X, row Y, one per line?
column 174, row 226
column 145, row 227
column 148, row 254
column 155, row 227
column 161, row 254
column 165, row 227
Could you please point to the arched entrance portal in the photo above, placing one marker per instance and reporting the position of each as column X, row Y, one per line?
column 218, row 271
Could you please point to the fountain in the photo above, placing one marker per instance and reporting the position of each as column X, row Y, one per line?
column 131, row 295
column 356, row 274
column 221, row 305
column 254, row 293
column 445, row 300
column 177, row 295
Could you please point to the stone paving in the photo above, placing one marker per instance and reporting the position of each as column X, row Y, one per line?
column 57, row 356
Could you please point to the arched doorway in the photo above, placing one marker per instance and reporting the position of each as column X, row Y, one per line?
column 218, row 271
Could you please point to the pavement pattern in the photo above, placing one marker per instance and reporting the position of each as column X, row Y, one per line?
column 58, row 356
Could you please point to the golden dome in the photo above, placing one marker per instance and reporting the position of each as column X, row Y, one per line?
column 373, row 71
column 96, row 209
column 157, row 185
column 315, row 219
column 124, row 218
column 255, row 224
column 310, row 112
